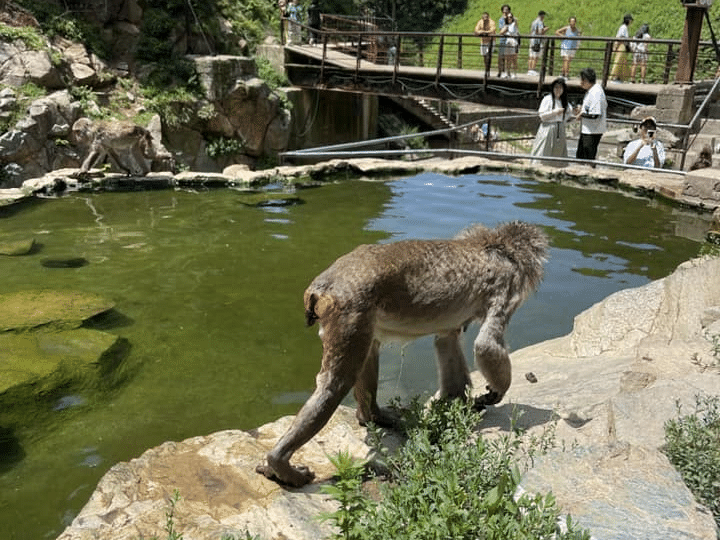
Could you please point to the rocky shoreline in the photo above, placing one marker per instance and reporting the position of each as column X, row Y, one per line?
column 697, row 189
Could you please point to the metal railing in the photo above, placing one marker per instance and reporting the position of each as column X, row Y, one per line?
column 364, row 40
column 496, row 144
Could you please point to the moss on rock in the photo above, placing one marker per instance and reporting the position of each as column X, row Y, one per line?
column 16, row 247
column 24, row 310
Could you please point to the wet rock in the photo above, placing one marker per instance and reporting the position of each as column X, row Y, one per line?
column 71, row 262
column 20, row 311
column 269, row 199
column 36, row 363
column 14, row 248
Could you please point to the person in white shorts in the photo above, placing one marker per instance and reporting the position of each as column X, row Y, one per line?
column 568, row 47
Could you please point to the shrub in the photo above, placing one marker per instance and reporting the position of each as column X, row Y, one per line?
column 223, row 146
column 692, row 445
column 447, row 482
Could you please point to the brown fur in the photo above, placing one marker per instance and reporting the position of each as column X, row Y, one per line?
column 402, row 291
column 704, row 159
column 124, row 143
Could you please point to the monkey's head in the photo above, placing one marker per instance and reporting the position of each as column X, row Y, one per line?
column 82, row 132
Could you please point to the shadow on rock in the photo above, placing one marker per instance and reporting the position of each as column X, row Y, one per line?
column 70, row 262
column 11, row 453
column 516, row 415
column 108, row 320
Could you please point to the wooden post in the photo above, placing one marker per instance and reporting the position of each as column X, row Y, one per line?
column 687, row 57
column 459, row 54
column 439, row 59
column 669, row 57
column 359, row 57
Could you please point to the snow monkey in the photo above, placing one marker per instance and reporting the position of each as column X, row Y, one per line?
column 402, row 291
column 127, row 145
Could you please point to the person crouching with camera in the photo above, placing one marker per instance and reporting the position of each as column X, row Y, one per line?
column 645, row 151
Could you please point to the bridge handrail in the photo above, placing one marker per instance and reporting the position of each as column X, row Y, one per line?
column 398, row 33
column 374, row 46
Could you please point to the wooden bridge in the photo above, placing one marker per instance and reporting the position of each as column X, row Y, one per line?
column 358, row 54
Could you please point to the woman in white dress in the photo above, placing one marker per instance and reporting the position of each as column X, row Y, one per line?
column 554, row 112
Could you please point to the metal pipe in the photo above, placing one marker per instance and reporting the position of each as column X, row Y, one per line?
column 481, row 153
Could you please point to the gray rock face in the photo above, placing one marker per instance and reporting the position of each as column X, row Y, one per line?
column 613, row 382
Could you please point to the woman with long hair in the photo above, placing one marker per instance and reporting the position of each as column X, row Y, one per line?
column 554, row 112
column 621, row 48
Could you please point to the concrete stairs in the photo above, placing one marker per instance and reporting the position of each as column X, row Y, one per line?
column 424, row 110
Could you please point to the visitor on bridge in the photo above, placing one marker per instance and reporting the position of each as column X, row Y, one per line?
column 621, row 49
column 294, row 13
column 568, row 47
column 592, row 115
column 485, row 29
column 511, row 44
column 537, row 28
column 640, row 53
column 554, row 112
column 645, row 151
column 314, row 21
column 505, row 9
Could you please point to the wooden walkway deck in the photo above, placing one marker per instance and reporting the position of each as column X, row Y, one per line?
column 313, row 66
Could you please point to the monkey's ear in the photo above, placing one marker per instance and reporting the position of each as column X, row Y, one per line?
column 323, row 304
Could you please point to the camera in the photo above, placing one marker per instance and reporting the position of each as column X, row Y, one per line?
column 651, row 133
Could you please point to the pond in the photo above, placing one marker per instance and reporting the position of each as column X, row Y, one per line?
column 208, row 293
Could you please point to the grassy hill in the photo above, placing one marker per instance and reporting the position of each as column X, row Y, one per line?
column 602, row 18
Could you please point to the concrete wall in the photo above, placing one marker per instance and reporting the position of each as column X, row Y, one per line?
column 322, row 117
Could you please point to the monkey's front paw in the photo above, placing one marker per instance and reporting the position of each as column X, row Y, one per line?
column 491, row 398
column 287, row 474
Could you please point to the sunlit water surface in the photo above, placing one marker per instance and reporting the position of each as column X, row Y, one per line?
column 208, row 293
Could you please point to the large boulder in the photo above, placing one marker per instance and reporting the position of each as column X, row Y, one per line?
column 221, row 494
column 613, row 383
column 20, row 65
column 43, row 350
column 32, row 147
column 25, row 310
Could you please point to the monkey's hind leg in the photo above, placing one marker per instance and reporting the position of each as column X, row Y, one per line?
column 453, row 373
column 344, row 352
column 492, row 358
column 366, row 393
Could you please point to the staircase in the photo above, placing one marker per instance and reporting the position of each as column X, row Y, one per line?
column 425, row 111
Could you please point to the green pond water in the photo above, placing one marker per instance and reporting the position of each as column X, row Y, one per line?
column 208, row 294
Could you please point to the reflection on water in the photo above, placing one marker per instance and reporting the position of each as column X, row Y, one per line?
column 208, row 293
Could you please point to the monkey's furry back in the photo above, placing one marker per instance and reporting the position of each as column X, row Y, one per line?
column 416, row 276
column 522, row 243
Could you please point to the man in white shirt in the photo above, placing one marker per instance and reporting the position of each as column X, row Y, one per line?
column 592, row 115
column 645, row 151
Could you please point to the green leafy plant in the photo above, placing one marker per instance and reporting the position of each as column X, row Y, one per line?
column 692, row 447
column 272, row 77
column 172, row 534
column 28, row 35
column 414, row 143
column 224, row 146
column 448, row 482
column 347, row 490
